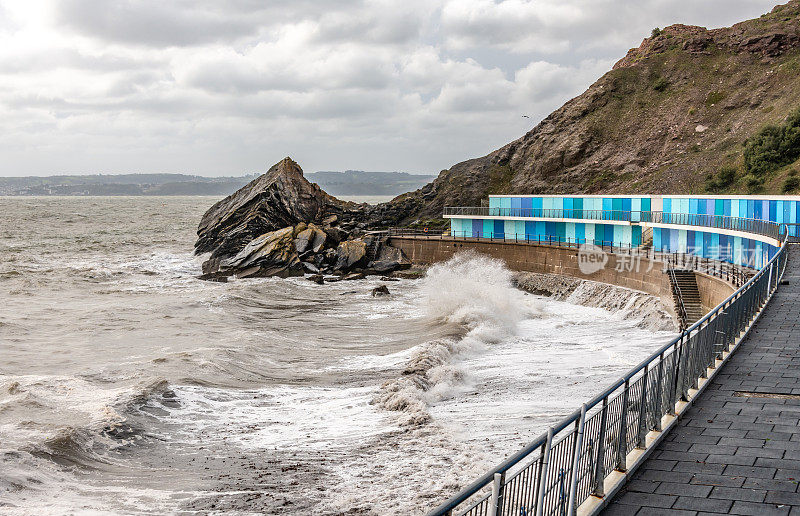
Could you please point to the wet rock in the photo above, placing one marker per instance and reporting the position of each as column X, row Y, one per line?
column 271, row 254
column 332, row 279
column 388, row 278
column 317, row 278
column 350, row 254
column 336, row 235
column 382, row 290
column 310, row 267
column 389, row 259
column 354, row 276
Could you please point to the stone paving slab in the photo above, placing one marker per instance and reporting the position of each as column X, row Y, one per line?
column 733, row 454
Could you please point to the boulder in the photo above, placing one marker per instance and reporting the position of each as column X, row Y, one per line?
column 389, row 259
column 271, row 254
column 350, row 254
column 310, row 239
column 317, row 278
column 282, row 197
column 310, row 267
column 336, row 235
column 382, row 290
column 354, row 276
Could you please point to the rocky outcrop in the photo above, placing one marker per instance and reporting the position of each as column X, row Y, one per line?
column 280, row 198
column 316, row 233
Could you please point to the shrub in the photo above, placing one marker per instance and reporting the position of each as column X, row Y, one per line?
column 754, row 184
column 714, row 97
column 773, row 146
column 722, row 180
column 660, row 84
column 791, row 184
column 656, row 32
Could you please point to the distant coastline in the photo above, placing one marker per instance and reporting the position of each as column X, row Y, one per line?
column 345, row 184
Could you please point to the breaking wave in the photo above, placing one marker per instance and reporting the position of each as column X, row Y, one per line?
column 475, row 295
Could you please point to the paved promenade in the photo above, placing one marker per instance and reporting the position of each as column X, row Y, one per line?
column 737, row 450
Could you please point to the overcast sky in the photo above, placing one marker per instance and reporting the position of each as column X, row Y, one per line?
column 230, row 87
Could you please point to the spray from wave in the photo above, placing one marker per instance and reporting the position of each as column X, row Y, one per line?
column 474, row 294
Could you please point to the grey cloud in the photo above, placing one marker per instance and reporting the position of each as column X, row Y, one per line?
column 152, row 22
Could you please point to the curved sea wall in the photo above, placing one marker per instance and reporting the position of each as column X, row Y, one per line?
column 631, row 273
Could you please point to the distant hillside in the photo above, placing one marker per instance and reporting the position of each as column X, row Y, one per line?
column 351, row 182
column 690, row 110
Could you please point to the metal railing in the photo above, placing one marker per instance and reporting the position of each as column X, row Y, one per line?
column 568, row 464
column 676, row 290
column 759, row 227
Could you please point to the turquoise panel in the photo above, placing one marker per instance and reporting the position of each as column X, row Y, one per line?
column 577, row 205
column 646, row 204
column 488, row 228
column 569, row 231
column 684, row 206
column 537, row 206
column 505, row 203
column 657, row 239
column 636, row 236
column 510, row 229
column 589, row 231
column 693, row 206
column 520, row 229
column 494, row 202
column 530, row 230
column 667, row 205
column 548, row 203
column 719, row 207
column 580, row 233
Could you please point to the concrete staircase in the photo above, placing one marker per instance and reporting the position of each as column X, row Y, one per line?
column 686, row 294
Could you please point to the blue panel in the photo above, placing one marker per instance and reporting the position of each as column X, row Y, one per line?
column 561, row 231
column 636, row 236
column 773, row 211
column 693, row 206
column 690, row 242
column 516, row 204
column 477, row 228
column 550, row 230
column 673, row 240
column 568, row 207
column 577, row 205
column 499, row 229
column 530, row 230
column 787, row 211
column 646, row 204
column 527, row 205
column 667, row 205
column 616, row 205
column 541, row 230
column 757, row 210
column 626, row 205
column 657, row 239
column 707, row 244
column 488, row 228
column 580, row 232
column 609, row 233
column 698, row 243
column 608, row 206
column 726, row 207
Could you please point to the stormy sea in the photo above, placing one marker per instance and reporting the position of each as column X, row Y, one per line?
column 128, row 386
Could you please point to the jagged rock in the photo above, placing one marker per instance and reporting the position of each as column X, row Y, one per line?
column 350, row 254
column 330, row 220
column 389, row 259
column 382, row 290
column 310, row 267
column 332, row 279
column 336, row 235
column 271, row 254
column 282, row 197
column 312, row 238
column 317, row 278
column 354, row 276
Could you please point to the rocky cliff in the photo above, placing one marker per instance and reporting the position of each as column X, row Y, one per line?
column 668, row 117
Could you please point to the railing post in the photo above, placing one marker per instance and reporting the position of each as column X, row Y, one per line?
column 660, row 400
column 543, row 473
column 576, row 456
column 494, row 502
column 622, row 441
column 600, row 468
column 641, row 441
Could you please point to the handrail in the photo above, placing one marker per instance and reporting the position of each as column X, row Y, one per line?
column 621, row 421
column 759, row 227
column 682, row 316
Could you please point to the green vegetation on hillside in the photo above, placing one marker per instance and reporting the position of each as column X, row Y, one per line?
column 773, row 147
